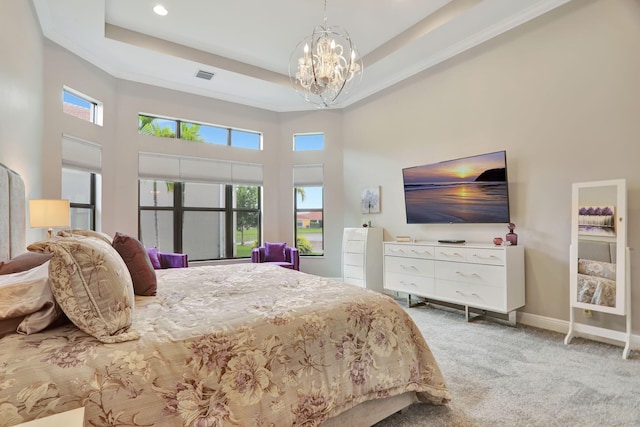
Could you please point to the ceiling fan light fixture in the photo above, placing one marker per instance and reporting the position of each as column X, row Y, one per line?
column 325, row 65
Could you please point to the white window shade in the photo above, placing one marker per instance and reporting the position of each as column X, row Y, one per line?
column 307, row 175
column 79, row 154
column 194, row 169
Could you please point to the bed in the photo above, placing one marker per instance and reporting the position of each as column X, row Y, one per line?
column 243, row 344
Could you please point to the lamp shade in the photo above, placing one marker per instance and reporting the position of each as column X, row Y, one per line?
column 47, row 213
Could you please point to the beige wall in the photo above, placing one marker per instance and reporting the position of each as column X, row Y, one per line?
column 120, row 142
column 21, row 110
column 560, row 94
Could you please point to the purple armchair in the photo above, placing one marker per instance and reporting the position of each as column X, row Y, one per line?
column 161, row 260
column 278, row 254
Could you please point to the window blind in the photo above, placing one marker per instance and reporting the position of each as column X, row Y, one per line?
column 80, row 154
column 307, row 175
column 194, row 169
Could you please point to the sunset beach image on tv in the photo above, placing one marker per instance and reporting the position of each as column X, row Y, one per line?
column 467, row 190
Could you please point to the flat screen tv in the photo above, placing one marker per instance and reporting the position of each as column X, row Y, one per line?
column 466, row 190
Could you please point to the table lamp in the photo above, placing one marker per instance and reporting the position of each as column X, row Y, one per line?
column 48, row 213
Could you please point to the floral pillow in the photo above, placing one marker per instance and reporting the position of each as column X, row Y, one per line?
column 86, row 233
column 602, row 269
column 91, row 283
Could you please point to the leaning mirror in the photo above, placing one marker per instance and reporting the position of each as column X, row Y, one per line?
column 598, row 243
column 599, row 257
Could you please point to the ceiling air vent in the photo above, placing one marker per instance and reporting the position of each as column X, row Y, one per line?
column 204, row 75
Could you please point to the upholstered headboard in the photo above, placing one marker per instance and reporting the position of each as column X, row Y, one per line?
column 12, row 214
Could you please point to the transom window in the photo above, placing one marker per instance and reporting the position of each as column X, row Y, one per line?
column 81, row 106
column 308, row 141
column 200, row 132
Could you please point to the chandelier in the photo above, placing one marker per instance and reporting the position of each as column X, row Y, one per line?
column 325, row 65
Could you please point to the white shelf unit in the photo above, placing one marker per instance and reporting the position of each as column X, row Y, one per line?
column 477, row 275
column 362, row 257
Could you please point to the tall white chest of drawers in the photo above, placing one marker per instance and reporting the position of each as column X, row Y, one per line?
column 362, row 257
column 482, row 276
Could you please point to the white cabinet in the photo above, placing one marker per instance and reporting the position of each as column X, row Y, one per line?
column 362, row 257
column 481, row 276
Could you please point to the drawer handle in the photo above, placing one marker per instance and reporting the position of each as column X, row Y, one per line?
column 408, row 267
column 451, row 254
column 396, row 250
column 486, row 257
column 420, row 252
column 402, row 282
column 473, row 294
column 460, row 273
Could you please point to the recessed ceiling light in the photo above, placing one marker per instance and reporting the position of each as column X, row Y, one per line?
column 160, row 10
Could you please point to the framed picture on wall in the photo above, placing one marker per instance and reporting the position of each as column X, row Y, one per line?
column 370, row 200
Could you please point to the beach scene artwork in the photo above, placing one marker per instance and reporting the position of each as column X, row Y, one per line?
column 472, row 189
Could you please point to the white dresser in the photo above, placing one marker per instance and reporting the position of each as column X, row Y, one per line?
column 482, row 276
column 362, row 257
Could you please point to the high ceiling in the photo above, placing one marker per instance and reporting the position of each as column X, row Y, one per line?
column 247, row 44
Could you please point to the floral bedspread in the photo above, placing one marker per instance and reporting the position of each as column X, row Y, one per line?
column 245, row 345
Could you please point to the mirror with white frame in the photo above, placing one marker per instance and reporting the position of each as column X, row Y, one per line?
column 598, row 262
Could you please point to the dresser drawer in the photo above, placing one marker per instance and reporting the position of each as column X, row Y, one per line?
column 354, row 246
column 415, row 285
column 413, row 251
column 353, row 272
column 448, row 253
column 486, row 256
column 470, row 273
column 422, row 267
column 355, row 234
column 474, row 295
column 353, row 259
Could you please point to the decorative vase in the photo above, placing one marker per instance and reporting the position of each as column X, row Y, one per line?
column 497, row 241
column 512, row 238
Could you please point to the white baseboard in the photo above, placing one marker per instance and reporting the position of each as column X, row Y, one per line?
column 562, row 326
column 543, row 322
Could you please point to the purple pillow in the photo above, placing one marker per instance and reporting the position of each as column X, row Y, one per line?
column 154, row 258
column 274, row 252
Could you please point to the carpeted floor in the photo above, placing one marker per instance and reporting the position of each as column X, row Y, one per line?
column 522, row 376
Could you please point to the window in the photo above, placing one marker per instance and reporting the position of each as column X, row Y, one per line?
column 80, row 188
column 81, row 181
column 309, row 209
column 308, row 142
column 200, row 132
column 81, row 106
column 204, row 220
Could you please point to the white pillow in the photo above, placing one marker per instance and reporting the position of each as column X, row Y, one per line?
column 27, row 304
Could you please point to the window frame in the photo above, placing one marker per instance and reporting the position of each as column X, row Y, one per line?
column 229, row 131
column 92, row 205
column 178, row 209
column 296, row 210
column 95, row 111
